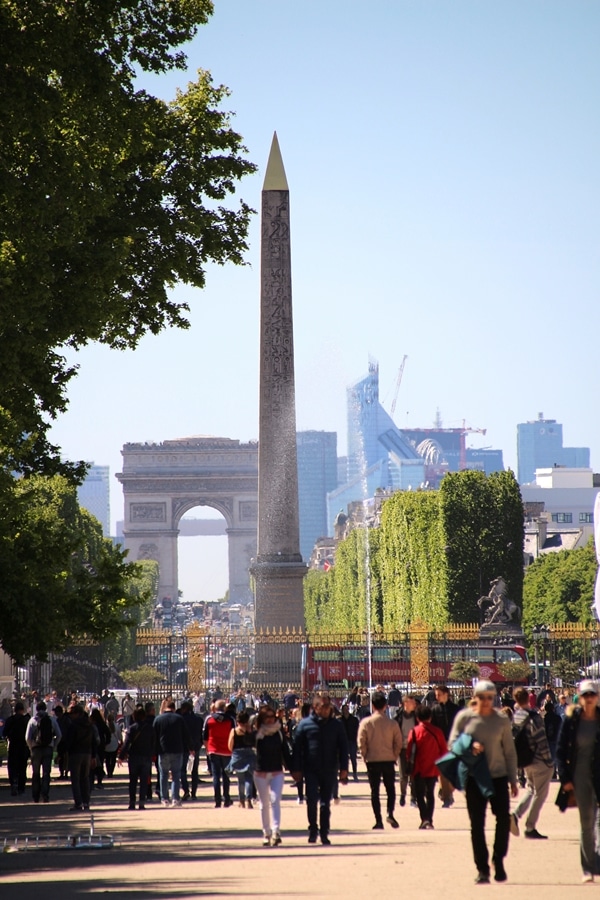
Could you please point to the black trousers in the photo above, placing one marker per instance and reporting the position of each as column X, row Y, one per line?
column 376, row 772
column 476, row 807
column 425, row 794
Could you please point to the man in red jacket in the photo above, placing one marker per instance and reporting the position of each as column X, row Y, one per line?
column 426, row 743
column 217, row 727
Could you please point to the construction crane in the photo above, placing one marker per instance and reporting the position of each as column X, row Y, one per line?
column 398, row 383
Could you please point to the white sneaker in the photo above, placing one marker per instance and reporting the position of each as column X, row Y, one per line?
column 587, row 878
column 165, row 802
column 176, row 803
column 300, row 801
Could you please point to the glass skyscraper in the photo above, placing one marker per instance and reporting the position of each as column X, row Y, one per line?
column 540, row 446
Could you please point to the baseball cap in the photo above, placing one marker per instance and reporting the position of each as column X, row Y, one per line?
column 588, row 687
column 484, row 687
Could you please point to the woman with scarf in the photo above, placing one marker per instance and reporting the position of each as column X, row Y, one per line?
column 271, row 759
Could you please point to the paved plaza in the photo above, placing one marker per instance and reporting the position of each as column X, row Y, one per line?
column 200, row 851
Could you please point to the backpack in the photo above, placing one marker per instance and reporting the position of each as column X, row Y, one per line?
column 525, row 752
column 45, row 732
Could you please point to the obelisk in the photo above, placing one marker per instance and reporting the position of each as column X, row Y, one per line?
column 278, row 570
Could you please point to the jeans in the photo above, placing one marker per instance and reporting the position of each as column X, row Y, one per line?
column 170, row 762
column 41, row 761
column 79, row 765
column 476, row 807
column 376, row 772
column 140, row 769
column 319, row 791
column 404, row 776
column 218, row 766
column 425, row 794
column 539, row 776
column 194, row 776
column 269, row 786
column 589, row 841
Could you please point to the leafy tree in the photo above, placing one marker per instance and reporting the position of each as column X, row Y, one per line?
column 515, row 671
column 65, row 676
column 121, row 650
column 465, row 671
column 61, row 579
column 142, row 678
column 108, row 195
column 559, row 587
column 567, row 671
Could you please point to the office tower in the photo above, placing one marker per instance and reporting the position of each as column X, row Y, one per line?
column 317, row 475
column 94, row 495
column 540, row 446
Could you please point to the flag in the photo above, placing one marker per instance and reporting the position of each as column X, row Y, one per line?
column 326, row 566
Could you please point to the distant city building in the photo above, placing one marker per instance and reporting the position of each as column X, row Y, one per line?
column 485, row 460
column 317, row 475
column 94, row 495
column 540, row 445
column 561, row 497
column 379, row 457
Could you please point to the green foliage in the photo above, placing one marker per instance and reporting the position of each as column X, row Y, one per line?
column 121, row 650
column 567, row 671
column 434, row 555
column 464, row 671
column 65, row 676
column 414, row 570
column 109, row 196
column 61, row 579
column 559, row 587
column 142, row 678
column 483, row 524
column 515, row 671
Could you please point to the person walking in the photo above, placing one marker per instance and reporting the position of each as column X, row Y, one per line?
column 491, row 735
column 81, row 745
column 137, row 751
column 320, row 753
column 539, row 773
column 195, row 725
column 217, row 727
column 406, row 718
column 426, row 743
column 242, row 743
column 380, row 742
column 15, row 729
column 272, row 756
column 172, row 743
column 578, row 763
column 42, row 736
column 443, row 713
column 350, row 724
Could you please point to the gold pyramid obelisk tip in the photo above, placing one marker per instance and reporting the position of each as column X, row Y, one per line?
column 275, row 179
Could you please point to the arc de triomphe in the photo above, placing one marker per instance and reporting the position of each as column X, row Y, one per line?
column 161, row 482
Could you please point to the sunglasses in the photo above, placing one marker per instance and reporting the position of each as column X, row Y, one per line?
column 589, row 694
column 487, row 697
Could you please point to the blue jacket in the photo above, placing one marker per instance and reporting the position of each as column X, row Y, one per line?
column 460, row 762
column 320, row 745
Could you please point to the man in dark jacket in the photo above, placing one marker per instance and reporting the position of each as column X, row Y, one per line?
column 194, row 725
column 15, row 728
column 81, row 744
column 172, row 744
column 350, row 724
column 443, row 713
column 320, row 752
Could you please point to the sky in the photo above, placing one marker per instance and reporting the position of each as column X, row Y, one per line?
column 443, row 161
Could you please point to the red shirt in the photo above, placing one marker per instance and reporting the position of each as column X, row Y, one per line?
column 216, row 734
column 430, row 745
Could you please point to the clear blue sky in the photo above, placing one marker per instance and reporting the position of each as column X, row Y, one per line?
column 443, row 162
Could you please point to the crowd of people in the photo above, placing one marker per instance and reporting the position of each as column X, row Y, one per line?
column 423, row 744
